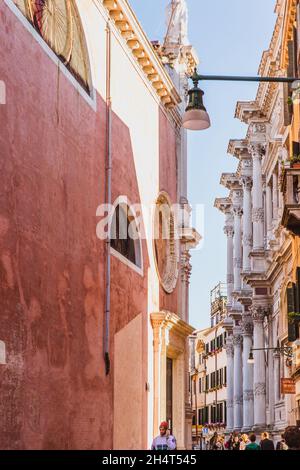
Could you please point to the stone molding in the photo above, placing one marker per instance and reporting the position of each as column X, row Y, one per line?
column 258, row 215
column 229, row 231
column 248, row 395
column 237, row 340
column 238, row 399
column 247, row 326
column 259, row 389
column 248, row 240
column 260, row 312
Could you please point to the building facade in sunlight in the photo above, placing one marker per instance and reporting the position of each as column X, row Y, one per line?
column 94, row 327
column 208, row 370
column 262, row 220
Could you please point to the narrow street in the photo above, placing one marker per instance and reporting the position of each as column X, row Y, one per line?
column 149, row 228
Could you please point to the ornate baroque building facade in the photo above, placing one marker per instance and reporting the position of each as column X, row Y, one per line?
column 208, row 370
column 94, row 331
column 262, row 229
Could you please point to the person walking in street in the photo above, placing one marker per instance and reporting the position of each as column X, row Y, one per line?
column 292, row 437
column 236, row 442
column 220, row 443
column 228, row 443
column 244, row 441
column 165, row 441
column 213, row 441
column 266, row 443
column 252, row 445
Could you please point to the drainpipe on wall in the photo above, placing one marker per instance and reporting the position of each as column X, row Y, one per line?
column 108, row 172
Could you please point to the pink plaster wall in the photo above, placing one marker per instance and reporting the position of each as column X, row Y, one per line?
column 53, row 392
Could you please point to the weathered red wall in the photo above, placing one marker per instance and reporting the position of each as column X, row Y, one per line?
column 168, row 179
column 53, row 392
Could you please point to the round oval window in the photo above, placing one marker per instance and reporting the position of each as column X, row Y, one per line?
column 165, row 244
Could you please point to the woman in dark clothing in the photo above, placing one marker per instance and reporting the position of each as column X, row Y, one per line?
column 266, row 443
column 236, row 443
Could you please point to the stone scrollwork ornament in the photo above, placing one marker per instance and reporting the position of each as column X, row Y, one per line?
column 259, row 389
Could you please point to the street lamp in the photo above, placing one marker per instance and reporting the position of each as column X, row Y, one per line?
column 285, row 350
column 251, row 358
column 196, row 117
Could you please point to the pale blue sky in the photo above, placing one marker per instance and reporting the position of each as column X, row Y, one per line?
column 229, row 37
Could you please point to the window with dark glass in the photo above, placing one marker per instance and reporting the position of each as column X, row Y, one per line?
column 123, row 235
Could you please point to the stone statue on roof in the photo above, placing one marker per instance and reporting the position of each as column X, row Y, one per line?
column 177, row 23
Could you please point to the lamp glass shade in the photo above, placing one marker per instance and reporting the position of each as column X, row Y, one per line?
column 251, row 358
column 196, row 120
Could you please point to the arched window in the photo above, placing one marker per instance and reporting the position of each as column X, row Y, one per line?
column 59, row 24
column 125, row 235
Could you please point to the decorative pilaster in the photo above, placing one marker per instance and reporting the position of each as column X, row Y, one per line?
column 237, row 245
column 229, row 232
column 230, row 383
column 247, row 223
column 258, row 315
column 269, row 208
column 248, row 397
column 238, row 379
column 275, row 196
column 276, row 358
column 257, row 151
column 271, row 392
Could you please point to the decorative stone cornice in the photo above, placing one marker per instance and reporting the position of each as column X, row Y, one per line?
column 223, row 204
column 142, row 50
column 238, row 148
column 171, row 321
column 247, row 111
column 230, row 181
column 290, row 17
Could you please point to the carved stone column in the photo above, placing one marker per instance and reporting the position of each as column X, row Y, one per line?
column 258, row 315
column 269, row 208
column 257, row 151
column 248, row 398
column 229, row 232
column 275, row 196
column 230, row 383
column 238, row 379
column 247, row 223
column 237, row 247
column 271, row 391
column 186, row 270
column 276, row 376
column 156, row 325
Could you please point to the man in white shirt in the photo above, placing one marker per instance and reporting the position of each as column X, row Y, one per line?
column 165, row 441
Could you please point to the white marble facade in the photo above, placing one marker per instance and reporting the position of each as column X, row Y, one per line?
column 258, row 254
